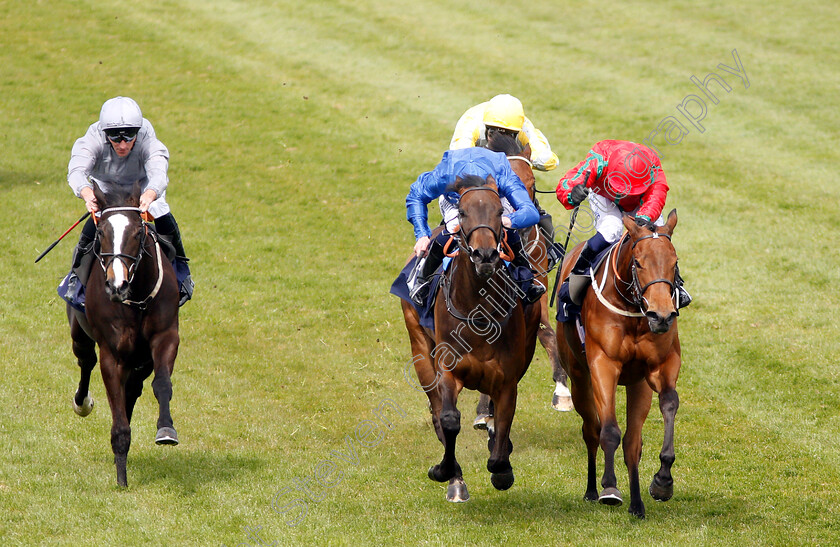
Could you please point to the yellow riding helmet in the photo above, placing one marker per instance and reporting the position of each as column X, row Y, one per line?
column 504, row 111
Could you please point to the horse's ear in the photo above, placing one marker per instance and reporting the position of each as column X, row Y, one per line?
column 101, row 200
column 630, row 224
column 526, row 152
column 134, row 196
column 491, row 182
column 671, row 223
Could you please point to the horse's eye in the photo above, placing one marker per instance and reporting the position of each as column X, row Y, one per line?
column 461, row 212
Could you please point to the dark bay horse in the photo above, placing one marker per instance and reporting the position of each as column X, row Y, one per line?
column 535, row 245
column 131, row 313
column 483, row 339
column 631, row 339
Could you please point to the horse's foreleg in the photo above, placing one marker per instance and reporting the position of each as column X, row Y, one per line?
column 114, row 377
column 639, row 396
column 164, row 350
column 498, row 464
column 84, row 348
column 662, row 486
column 584, row 403
column 604, row 376
column 450, row 423
column 133, row 390
column 664, row 382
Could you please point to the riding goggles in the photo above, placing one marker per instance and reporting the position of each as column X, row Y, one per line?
column 126, row 134
column 504, row 131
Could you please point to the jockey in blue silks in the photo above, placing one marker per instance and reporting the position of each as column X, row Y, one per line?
column 520, row 211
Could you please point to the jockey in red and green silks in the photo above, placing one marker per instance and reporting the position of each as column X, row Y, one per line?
column 619, row 177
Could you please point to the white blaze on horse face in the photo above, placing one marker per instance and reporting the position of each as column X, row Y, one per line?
column 119, row 223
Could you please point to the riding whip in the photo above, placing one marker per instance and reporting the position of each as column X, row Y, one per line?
column 84, row 216
column 565, row 248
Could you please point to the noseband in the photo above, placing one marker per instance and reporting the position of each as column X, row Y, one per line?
column 129, row 261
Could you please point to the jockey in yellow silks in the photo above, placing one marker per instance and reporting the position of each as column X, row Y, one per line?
column 504, row 113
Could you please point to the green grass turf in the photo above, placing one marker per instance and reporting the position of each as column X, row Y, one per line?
column 295, row 130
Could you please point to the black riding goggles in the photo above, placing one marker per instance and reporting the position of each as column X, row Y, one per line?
column 503, row 131
column 126, row 134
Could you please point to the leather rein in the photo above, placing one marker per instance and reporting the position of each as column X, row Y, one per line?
column 131, row 262
column 637, row 291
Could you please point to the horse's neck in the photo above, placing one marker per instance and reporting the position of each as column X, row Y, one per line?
column 619, row 263
column 147, row 269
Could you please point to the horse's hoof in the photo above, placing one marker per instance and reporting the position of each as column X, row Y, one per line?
column 562, row 403
column 85, row 408
column 590, row 495
column 502, row 481
column 661, row 492
column 481, row 422
column 610, row 496
column 166, row 435
column 638, row 512
column 457, row 491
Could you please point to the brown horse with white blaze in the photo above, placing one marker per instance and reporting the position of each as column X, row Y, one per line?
column 484, row 337
column 131, row 313
column 629, row 317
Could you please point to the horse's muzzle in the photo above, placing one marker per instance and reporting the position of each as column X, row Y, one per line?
column 485, row 261
column 660, row 324
column 116, row 294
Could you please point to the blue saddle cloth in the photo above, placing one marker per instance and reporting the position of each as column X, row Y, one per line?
column 521, row 275
column 400, row 288
column 566, row 309
column 72, row 290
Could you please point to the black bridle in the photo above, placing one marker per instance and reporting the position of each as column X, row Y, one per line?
column 463, row 237
column 129, row 261
column 637, row 290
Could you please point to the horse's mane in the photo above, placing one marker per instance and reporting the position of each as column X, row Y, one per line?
column 119, row 195
column 466, row 181
column 500, row 142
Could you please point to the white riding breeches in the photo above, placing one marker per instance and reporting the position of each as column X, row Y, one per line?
column 608, row 221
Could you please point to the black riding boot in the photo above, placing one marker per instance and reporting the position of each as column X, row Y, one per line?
column 168, row 229
column 555, row 250
column 520, row 259
column 684, row 299
column 430, row 264
column 82, row 257
column 578, row 277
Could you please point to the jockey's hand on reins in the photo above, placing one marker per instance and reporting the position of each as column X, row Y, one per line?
column 578, row 194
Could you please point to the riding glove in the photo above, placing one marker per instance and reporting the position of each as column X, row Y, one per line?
column 578, row 194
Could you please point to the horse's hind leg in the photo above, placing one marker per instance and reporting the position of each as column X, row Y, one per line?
column 164, row 351
column 483, row 412
column 85, row 351
column 561, row 399
column 639, row 396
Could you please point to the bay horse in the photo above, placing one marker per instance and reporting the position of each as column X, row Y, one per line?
column 483, row 339
column 535, row 244
column 131, row 313
column 629, row 317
